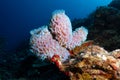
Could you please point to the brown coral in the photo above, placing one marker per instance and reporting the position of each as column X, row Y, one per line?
column 93, row 63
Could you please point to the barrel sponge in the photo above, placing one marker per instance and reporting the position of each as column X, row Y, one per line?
column 79, row 36
column 61, row 27
column 44, row 46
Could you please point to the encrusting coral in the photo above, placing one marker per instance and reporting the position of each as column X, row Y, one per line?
column 95, row 62
column 73, row 56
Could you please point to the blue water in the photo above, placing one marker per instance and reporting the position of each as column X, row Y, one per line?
column 18, row 17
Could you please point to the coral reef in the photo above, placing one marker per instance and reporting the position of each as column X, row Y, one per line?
column 103, row 25
column 55, row 41
column 105, row 30
column 115, row 3
column 93, row 63
column 77, row 59
column 85, row 61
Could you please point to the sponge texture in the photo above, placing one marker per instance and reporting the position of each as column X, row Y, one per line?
column 45, row 46
column 79, row 36
column 61, row 27
column 56, row 39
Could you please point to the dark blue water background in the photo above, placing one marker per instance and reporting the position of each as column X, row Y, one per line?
column 18, row 17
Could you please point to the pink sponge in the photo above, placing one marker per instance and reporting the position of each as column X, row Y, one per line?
column 56, row 42
column 79, row 36
column 60, row 26
column 44, row 46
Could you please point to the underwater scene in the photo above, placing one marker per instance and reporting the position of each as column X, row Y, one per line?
column 60, row 40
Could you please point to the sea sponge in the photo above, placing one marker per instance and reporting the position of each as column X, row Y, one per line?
column 61, row 27
column 44, row 46
column 79, row 36
column 56, row 39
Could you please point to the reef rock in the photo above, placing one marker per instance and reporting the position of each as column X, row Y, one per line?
column 115, row 4
column 104, row 27
column 93, row 63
